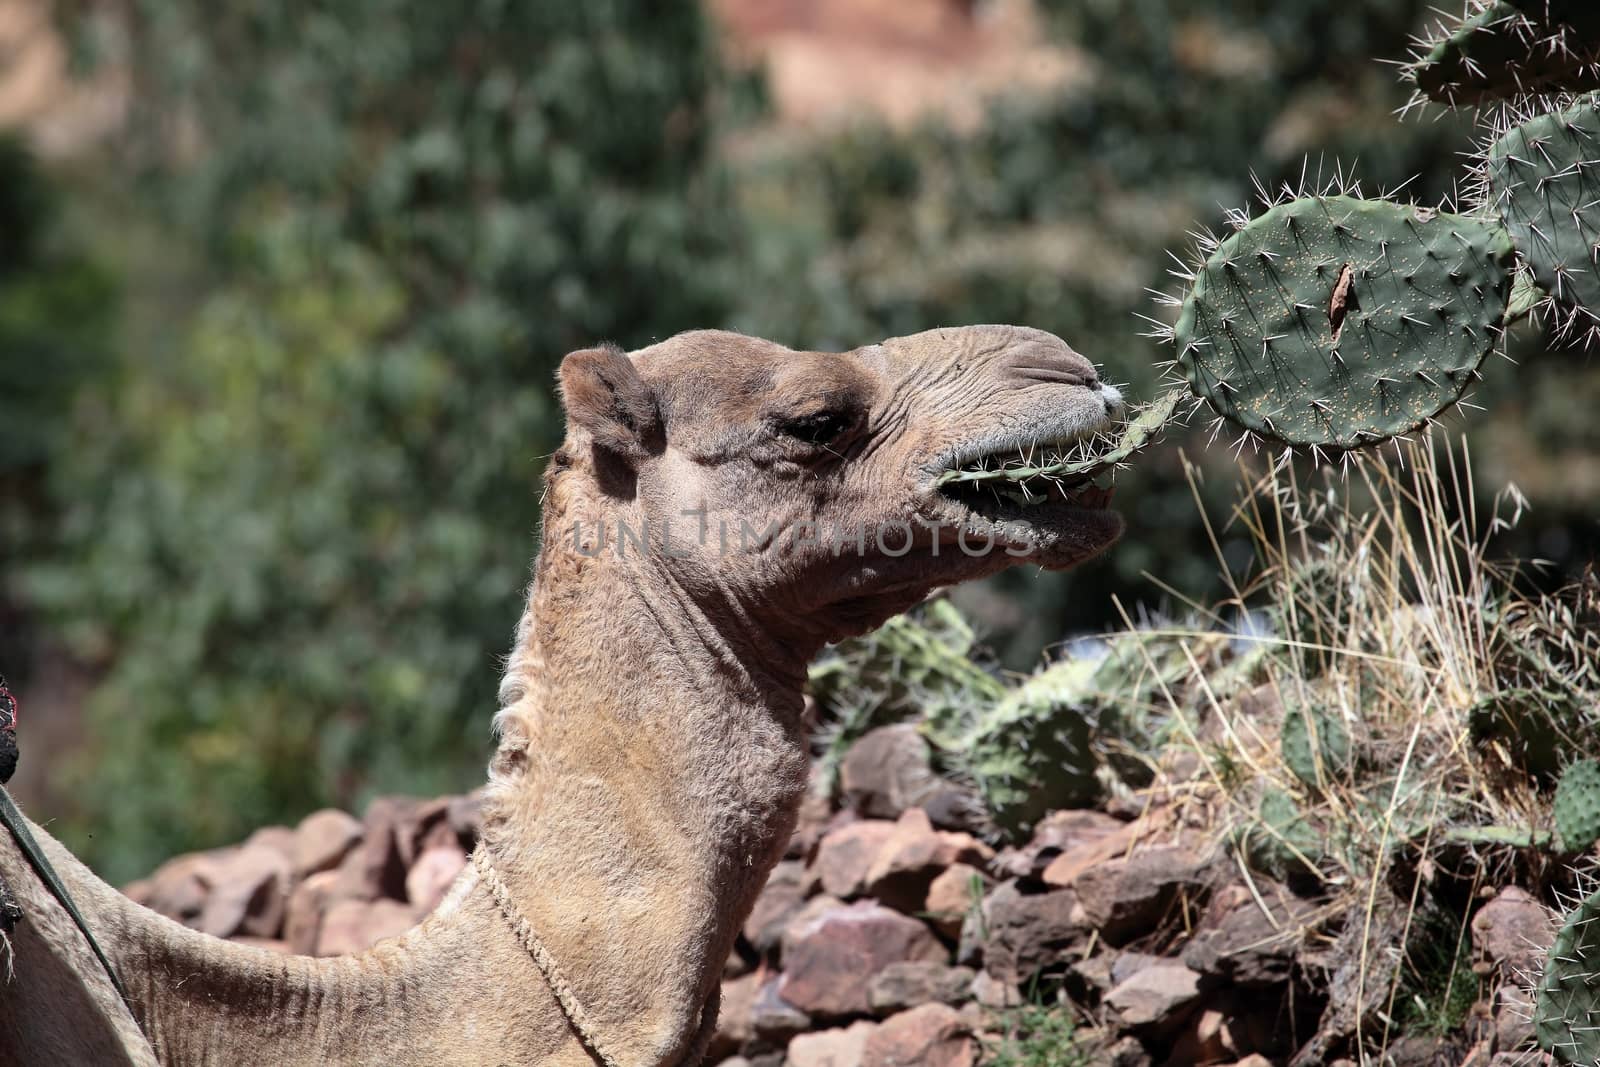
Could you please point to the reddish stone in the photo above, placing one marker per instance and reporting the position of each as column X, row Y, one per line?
column 845, row 855
column 830, row 1048
column 432, row 875
column 829, row 969
column 250, row 894
column 952, row 895
column 351, row 926
column 323, row 839
column 913, row 855
column 932, row 1035
column 303, row 919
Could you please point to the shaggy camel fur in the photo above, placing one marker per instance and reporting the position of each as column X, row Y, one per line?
column 722, row 507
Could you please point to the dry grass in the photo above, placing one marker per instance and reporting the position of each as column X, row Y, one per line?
column 1439, row 696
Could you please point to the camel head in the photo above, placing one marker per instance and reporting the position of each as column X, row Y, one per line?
column 801, row 490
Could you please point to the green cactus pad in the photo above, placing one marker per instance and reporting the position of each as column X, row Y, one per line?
column 1577, row 806
column 1338, row 322
column 1316, row 745
column 1501, row 52
column 1544, row 178
column 1566, row 1011
column 1029, row 755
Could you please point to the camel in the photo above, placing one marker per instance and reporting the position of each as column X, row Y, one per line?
column 721, row 509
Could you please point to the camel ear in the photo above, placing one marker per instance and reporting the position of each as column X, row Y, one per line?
column 603, row 393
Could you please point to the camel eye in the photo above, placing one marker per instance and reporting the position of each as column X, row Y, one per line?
column 819, row 429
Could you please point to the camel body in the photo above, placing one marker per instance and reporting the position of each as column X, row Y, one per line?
column 651, row 755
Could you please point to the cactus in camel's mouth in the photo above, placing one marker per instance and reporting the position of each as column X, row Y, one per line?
column 1081, row 472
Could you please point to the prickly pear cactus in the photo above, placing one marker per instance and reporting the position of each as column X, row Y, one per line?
column 1029, row 755
column 1315, row 745
column 1338, row 322
column 1544, row 180
column 1282, row 843
column 1577, row 806
column 1508, row 49
column 1566, row 1016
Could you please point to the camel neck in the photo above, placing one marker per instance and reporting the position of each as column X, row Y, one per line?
column 650, row 773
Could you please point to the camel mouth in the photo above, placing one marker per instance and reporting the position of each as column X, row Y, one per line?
column 1055, row 497
column 1077, row 470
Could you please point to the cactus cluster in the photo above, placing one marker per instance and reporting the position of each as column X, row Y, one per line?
column 1566, row 1017
column 1577, row 806
column 1333, row 322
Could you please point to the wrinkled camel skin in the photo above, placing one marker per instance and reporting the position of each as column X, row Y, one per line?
column 651, row 756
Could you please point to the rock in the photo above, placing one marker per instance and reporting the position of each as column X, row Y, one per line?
column 932, row 1035
column 375, row 868
column 1058, row 833
column 1127, row 897
column 952, row 808
column 1091, row 977
column 913, row 855
column 992, row 992
column 464, row 815
column 846, row 854
column 780, row 900
column 1510, row 935
column 307, row 904
column 1127, row 1052
column 1513, row 1018
column 1240, row 944
column 323, row 839
column 736, row 1019
column 887, row 771
column 801, row 921
column 1155, row 997
column 904, row 985
column 1126, row 964
column 831, row 1048
column 431, row 877
column 350, row 925
column 827, row 970
column 774, row 1018
column 816, row 815
column 1030, row 931
column 423, row 825
column 952, row 895
column 278, row 838
column 179, row 887
column 250, row 894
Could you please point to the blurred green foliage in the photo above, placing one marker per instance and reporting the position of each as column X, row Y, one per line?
column 298, row 541
column 288, row 523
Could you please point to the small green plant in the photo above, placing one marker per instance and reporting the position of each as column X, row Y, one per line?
column 1440, row 988
column 1037, row 1035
